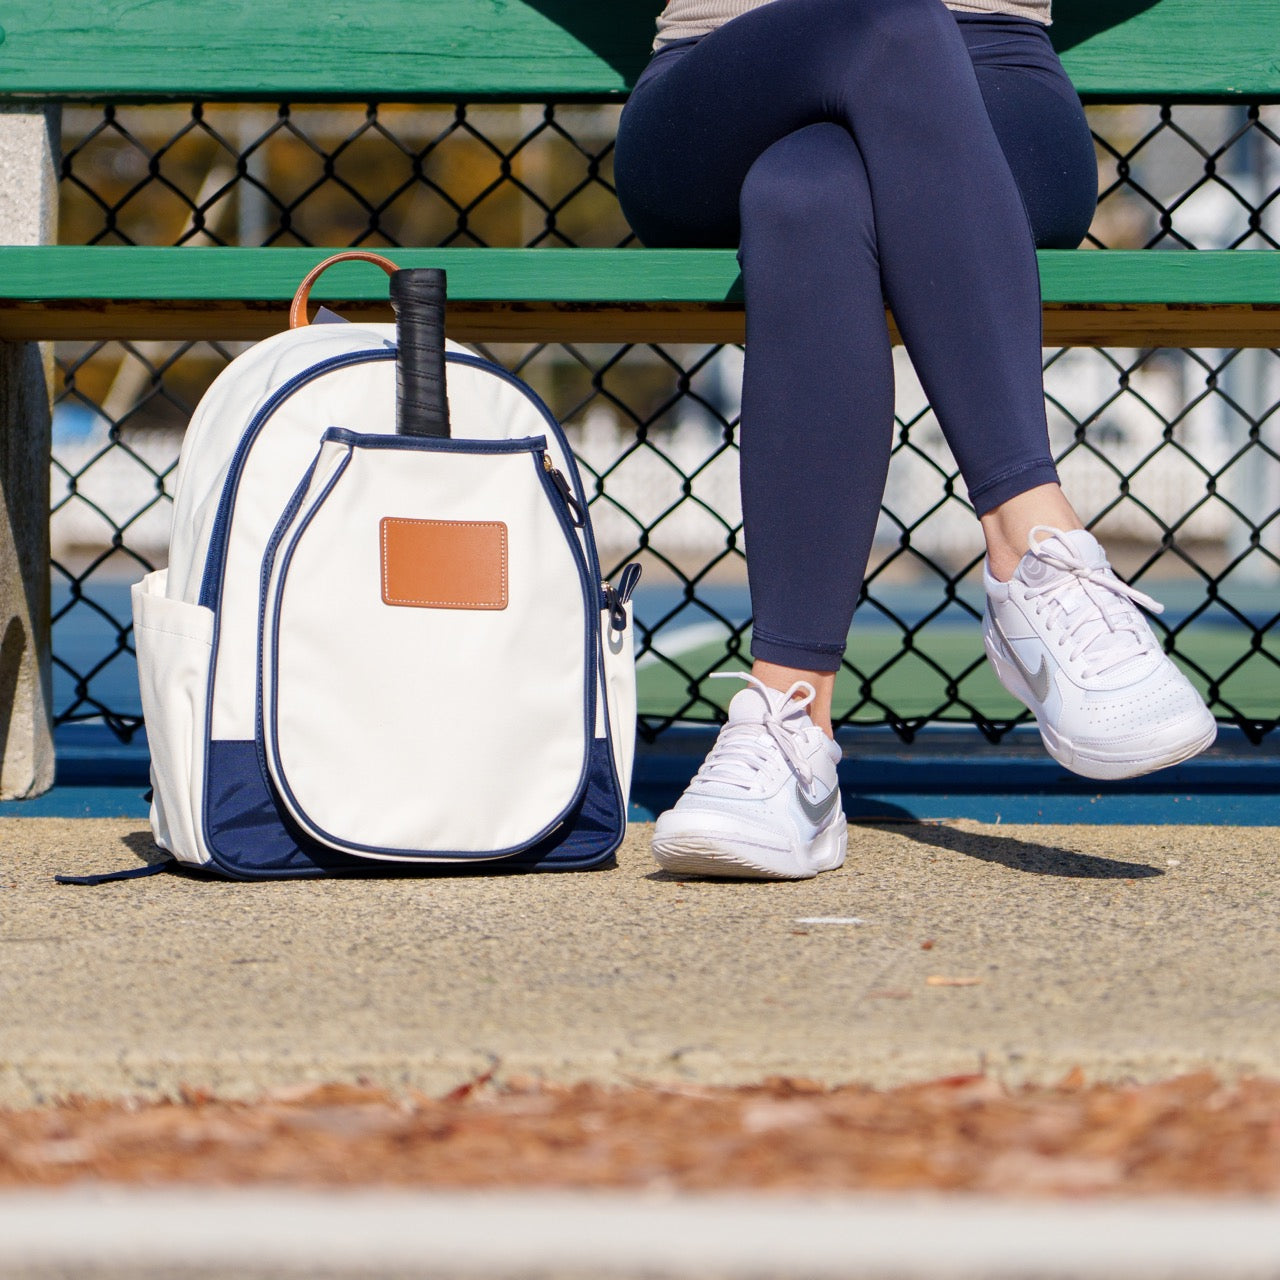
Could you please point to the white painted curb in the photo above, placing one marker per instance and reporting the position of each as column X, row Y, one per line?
column 517, row 1232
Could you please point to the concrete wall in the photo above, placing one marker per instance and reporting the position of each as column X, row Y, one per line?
column 28, row 215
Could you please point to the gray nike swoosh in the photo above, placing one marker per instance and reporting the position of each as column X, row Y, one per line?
column 1039, row 681
column 820, row 812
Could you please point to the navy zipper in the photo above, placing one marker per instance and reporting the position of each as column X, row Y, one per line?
column 557, row 478
column 560, row 505
column 616, row 599
column 433, row 444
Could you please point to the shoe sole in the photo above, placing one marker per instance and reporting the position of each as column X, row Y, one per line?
column 729, row 856
column 1101, row 768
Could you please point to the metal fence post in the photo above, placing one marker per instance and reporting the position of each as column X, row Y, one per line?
column 29, row 151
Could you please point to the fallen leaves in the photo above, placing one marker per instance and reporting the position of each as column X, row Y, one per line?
column 963, row 1133
column 468, row 1087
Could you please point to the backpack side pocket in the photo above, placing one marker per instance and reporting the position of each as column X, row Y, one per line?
column 618, row 652
column 174, row 642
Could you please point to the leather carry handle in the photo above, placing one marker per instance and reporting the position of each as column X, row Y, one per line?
column 298, row 308
column 418, row 297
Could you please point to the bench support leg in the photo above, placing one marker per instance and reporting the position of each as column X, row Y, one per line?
column 29, row 149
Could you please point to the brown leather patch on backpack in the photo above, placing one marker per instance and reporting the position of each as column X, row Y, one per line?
column 444, row 564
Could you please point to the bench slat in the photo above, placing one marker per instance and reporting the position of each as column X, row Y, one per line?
column 392, row 50
column 1140, row 298
column 447, row 50
column 1180, row 50
column 66, row 272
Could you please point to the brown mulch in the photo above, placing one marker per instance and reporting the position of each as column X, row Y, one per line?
column 1193, row 1134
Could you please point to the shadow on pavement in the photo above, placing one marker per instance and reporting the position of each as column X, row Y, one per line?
column 144, row 847
column 1020, row 855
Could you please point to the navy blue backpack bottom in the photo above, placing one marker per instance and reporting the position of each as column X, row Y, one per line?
column 251, row 837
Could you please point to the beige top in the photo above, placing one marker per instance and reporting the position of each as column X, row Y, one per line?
column 682, row 19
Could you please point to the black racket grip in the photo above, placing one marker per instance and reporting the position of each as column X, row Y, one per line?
column 418, row 297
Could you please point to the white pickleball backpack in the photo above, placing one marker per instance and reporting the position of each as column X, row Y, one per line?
column 382, row 634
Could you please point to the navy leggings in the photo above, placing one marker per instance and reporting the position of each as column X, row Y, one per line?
column 858, row 152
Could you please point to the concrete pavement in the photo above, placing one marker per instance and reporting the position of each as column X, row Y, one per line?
column 1131, row 952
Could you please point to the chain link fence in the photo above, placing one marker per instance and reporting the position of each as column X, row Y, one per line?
column 1173, row 456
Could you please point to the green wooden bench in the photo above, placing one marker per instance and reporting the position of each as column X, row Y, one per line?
column 54, row 52
column 1118, row 297
column 564, row 50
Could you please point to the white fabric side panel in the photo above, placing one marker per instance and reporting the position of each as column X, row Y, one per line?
column 174, row 640
column 430, row 729
column 331, row 458
column 219, row 422
column 619, row 649
column 362, row 398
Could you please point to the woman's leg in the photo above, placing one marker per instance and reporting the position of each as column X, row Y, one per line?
column 1045, row 139
column 811, row 489
column 813, row 126
column 945, row 224
column 1061, row 631
column 1006, row 527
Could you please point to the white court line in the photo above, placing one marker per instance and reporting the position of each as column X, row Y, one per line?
column 743, row 1235
column 832, row 920
column 676, row 644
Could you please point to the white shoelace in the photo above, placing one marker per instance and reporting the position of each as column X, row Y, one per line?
column 742, row 750
column 1093, row 607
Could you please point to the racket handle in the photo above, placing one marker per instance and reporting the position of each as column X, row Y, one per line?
column 418, row 297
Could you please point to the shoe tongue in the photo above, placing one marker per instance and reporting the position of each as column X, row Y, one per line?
column 1074, row 544
column 1118, row 641
column 751, row 704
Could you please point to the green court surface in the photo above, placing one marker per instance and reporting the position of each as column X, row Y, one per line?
column 914, row 683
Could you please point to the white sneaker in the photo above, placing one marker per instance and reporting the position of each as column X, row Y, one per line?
column 1065, row 639
column 765, row 805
